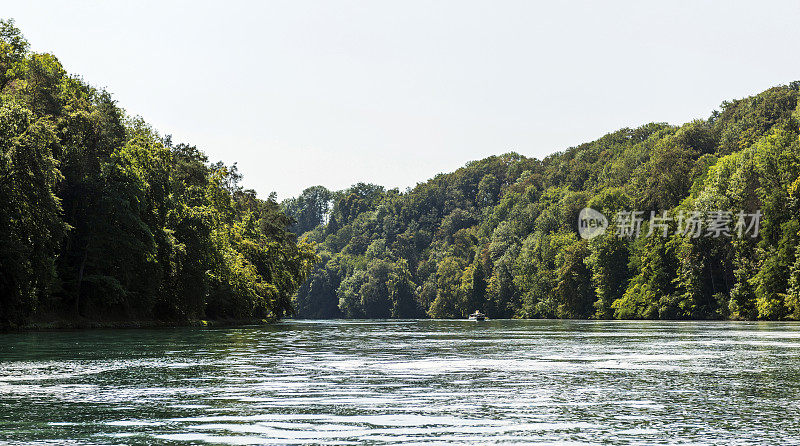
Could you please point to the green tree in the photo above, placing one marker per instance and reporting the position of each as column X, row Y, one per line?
column 31, row 227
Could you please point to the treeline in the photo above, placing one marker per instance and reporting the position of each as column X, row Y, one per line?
column 103, row 219
column 501, row 235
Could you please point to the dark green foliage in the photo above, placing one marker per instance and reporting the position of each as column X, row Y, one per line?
column 500, row 234
column 102, row 219
column 31, row 228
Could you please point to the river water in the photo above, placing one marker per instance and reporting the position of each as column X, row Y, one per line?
column 410, row 382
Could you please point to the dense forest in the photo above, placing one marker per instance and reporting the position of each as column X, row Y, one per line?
column 103, row 219
column 501, row 234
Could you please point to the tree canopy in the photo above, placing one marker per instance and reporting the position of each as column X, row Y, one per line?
column 500, row 234
column 102, row 218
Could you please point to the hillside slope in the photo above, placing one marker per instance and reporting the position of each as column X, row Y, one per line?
column 103, row 220
column 501, row 234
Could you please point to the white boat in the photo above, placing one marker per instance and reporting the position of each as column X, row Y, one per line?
column 477, row 316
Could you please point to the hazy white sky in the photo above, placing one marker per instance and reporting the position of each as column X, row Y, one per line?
column 303, row 93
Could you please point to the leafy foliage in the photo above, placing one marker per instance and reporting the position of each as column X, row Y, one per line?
column 500, row 234
column 101, row 218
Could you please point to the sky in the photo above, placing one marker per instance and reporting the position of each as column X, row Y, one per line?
column 301, row 93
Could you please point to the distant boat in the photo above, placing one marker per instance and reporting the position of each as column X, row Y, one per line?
column 477, row 316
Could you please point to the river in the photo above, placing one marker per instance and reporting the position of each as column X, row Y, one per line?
column 410, row 382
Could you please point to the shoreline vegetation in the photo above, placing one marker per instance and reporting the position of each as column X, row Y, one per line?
column 106, row 223
column 501, row 234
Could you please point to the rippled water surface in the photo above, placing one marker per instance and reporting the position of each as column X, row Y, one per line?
column 409, row 382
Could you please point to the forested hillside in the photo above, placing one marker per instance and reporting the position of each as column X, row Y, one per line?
column 102, row 219
column 500, row 234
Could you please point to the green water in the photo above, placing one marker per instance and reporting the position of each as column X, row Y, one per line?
column 409, row 382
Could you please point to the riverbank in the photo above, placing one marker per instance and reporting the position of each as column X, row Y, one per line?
column 65, row 325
